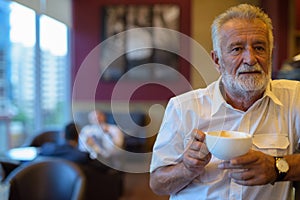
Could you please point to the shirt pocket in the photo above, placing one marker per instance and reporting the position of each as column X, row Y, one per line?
column 272, row 144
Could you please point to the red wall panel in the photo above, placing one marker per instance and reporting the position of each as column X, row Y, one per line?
column 86, row 35
column 297, row 14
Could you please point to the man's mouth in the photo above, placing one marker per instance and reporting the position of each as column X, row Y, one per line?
column 249, row 72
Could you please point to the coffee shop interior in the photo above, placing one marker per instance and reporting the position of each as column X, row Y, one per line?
column 60, row 59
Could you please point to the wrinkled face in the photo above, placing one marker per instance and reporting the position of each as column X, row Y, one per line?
column 245, row 62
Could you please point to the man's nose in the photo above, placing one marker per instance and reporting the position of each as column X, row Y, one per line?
column 249, row 57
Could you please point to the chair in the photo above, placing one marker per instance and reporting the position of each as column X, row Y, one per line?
column 8, row 166
column 102, row 185
column 47, row 180
column 54, row 136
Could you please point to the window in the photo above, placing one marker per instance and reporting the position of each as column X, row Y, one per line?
column 34, row 71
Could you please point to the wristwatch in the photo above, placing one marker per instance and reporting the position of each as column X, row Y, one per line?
column 281, row 167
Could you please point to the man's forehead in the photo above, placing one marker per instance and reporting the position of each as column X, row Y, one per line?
column 238, row 29
column 240, row 22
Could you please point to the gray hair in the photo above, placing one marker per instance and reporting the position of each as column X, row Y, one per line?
column 242, row 11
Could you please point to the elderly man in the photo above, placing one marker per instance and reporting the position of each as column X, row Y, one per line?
column 244, row 98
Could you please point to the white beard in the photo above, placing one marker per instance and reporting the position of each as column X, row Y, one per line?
column 243, row 84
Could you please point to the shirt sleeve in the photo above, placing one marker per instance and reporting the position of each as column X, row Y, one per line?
column 170, row 142
column 85, row 131
column 117, row 135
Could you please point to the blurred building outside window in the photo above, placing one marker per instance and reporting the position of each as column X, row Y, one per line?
column 34, row 73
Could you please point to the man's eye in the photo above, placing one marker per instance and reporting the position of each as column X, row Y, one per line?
column 260, row 49
column 236, row 49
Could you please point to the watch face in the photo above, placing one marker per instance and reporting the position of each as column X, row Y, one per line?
column 282, row 165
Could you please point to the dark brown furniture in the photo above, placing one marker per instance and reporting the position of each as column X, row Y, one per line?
column 48, row 180
column 54, row 136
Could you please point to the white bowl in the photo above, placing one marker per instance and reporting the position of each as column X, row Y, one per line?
column 226, row 145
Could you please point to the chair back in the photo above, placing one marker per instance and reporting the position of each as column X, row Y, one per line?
column 47, row 180
column 54, row 136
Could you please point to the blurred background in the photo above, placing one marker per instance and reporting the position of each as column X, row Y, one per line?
column 45, row 43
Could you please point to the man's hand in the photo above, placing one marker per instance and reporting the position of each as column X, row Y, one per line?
column 253, row 168
column 197, row 156
column 90, row 141
column 173, row 178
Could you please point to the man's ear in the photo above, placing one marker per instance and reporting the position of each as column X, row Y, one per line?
column 215, row 58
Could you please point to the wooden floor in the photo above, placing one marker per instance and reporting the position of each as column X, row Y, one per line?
column 136, row 187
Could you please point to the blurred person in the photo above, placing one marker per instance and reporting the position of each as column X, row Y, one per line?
column 244, row 98
column 100, row 138
column 69, row 149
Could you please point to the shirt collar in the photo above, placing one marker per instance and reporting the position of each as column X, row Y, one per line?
column 271, row 95
column 218, row 99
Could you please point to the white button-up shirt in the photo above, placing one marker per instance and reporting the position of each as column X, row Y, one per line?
column 273, row 121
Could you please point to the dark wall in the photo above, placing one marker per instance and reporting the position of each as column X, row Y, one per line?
column 278, row 12
column 297, row 9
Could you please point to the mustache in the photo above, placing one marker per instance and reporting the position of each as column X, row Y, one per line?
column 245, row 68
